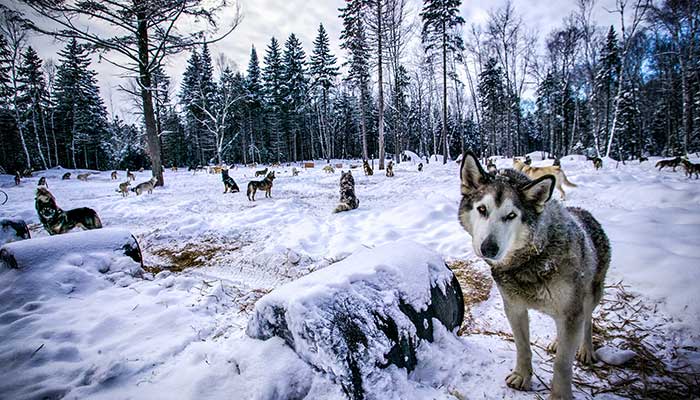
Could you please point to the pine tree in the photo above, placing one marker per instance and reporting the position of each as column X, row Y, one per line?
column 80, row 113
column 323, row 71
column 440, row 22
column 191, row 104
column 491, row 95
column 254, row 101
column 354, row 41
column 273, row 78
column 295, row 94
column 606, row 82
column 32, row 94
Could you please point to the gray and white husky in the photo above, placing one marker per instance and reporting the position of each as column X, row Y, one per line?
column 145, row 187
column 348, row 200
column 543, row 256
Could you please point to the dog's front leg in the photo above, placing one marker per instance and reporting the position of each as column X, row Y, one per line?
column 520, row 378
column 569, row 332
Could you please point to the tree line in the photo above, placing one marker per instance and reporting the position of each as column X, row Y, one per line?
column 410, row 79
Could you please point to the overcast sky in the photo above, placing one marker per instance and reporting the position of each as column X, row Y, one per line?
column 263, row 19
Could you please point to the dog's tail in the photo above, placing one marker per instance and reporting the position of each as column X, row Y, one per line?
column 566, row 180
column 342, row 207
column 250, row 190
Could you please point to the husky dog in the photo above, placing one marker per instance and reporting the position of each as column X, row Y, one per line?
column 691, row 169
column 17, row 178
column 491, row 168
column 66, row 176
column 328, row 169
column 57, row 221
column 295, row 171
column 173, row 168
column 348, row 200
column 124, row 188
column 83, row 177
column 262, row 172
column 275, row 165
column 265, row 184
column 673, row 162
column 229, row 183
column 27, row 173
column 542, row 256
column 420, row 167
column 42, row 182
column 368, row 169
column 597, row 162
column 141, row 169
column 538, row 172
column 114, row 176
column 145, row 187
column 390, row 169
column 528, row 160
column 130, row 176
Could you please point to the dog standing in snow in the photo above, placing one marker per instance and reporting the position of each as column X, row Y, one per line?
column 57, row 221
column 543, row 256
column 145, row 187
column 538, row 172
column 265, row 184
column 348, row 200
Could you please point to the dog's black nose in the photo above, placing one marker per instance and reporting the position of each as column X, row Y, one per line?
column 489, row 247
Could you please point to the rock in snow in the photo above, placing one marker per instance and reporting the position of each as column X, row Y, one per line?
column 358, row 316
column 614, row 356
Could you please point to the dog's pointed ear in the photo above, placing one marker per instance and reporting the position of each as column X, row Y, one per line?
column 539, row 191
column 472, row 173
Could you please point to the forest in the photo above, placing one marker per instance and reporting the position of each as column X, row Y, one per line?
column 411, row 76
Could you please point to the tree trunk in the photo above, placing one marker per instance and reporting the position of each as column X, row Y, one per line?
column 363, row 125
column 444, row 92
column 147, row 99
column 380, row 100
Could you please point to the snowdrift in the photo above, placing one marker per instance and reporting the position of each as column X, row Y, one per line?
column 354, row 318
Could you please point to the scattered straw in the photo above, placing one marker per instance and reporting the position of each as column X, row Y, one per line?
column 476, row 288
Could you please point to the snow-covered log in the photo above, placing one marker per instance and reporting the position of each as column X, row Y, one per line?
column 27, row 253
column 359, row 316
column 12, row 230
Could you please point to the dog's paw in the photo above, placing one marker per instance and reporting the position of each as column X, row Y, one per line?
column 585, row 355
column 519, row 381
column 552, row 348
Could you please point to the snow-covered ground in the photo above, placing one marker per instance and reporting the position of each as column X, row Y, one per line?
column 82, row 333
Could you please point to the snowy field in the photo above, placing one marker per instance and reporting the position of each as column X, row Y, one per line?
column 76, row 332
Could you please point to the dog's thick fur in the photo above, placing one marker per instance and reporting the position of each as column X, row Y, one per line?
column 265, row 184
column 42, row 182
column 295, row 171
column 670, row 163
column 262, row 172
column 124, row 188
column 57, row 221
column 368, row 169
column 691, row 169
column 229, row 183
column 114, row 176
column 348, row 200
column 66, row 176
column 145, row 187
column 390, row 169
column 538, row 172
column 543, row 256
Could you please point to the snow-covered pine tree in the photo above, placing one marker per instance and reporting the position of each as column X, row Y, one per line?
column 354, row 42
column 273, row 78
column 441, row 18
column 323, row 72
column 491, row 96
column 295, row 95
column 605, row 89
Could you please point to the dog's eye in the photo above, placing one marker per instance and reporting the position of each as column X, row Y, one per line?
column 482, row 210
column 510, row 216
